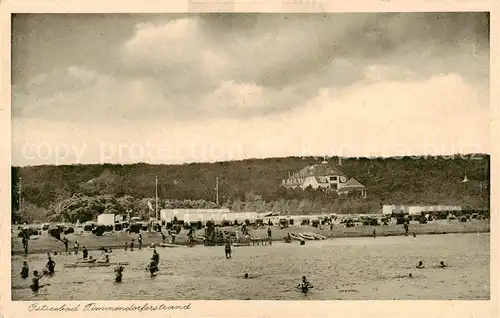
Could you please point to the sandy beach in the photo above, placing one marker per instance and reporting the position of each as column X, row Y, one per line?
column 47, row 244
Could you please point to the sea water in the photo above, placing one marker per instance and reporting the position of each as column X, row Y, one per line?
column 344, row 268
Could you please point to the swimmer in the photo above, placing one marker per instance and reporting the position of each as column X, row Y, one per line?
column 25, row 271
column 51, row 265
column 304, row 285
column 420, row 264
column 35, row 286
column 246, row 275
column 153, row 267
column 156, row 256
column 442, row 265
column 118, row 273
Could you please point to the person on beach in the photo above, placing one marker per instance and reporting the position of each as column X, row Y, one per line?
column 25, row 243
column 269, row 235
column 25, row 270
column 139, row 240
column 35, row 281
column 85, row 252
column 76, row 247
column 304, row 285
column 132, row 245
column 420, row 264
column 228, row 250
column 51, row 265
column 119, row 273
column 66, row 242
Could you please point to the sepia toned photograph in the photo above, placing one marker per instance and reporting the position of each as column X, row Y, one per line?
column 250, row 156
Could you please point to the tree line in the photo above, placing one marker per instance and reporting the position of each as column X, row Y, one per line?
column 83, row 191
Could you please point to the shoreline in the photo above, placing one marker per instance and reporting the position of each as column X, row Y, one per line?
column 47, row 244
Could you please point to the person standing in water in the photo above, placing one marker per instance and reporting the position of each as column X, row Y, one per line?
column 25, row 270
column 51, row 265
column 126, row 246
column 35, row 282
column 153, row 267
column 374, row 233
column 132, row 245
column 156, row 257
column 76, row 246
column 119, row 273
column 228, row 250
column 304, row 285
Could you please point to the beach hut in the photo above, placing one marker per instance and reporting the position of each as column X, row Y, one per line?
column 388, row 209
column 106, row 219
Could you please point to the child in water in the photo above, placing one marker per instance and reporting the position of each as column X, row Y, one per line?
column 25, row 271
column 153, row 267
column 304, row 285
column 35, row 285
column 51, row 265
column 228, row 250
column 118, row 273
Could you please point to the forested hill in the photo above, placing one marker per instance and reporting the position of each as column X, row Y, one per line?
column 389, row 180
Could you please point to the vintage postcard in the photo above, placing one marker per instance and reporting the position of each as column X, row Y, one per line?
column 249, row 158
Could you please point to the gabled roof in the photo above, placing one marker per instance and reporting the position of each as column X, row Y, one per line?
column 319, row 170
column 352, row 183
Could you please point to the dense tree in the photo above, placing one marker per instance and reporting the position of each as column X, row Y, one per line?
column 83, row 191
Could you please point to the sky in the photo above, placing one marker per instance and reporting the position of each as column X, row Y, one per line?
column 170, row 88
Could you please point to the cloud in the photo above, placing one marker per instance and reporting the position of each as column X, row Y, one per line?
column 436, row 115
column 265, row 85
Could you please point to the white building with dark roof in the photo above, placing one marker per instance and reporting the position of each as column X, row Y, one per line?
column 323, row 176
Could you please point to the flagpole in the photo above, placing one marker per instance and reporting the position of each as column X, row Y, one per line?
column 20, row 193
column 156, row 205
column 217, row 190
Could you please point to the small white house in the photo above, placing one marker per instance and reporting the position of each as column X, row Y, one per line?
column 106, row 219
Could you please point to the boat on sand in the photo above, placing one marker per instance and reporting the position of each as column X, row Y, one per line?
column 315, row 235
column 164, row 245
column 307, row 237
column 295, row 237
column 96, row 264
